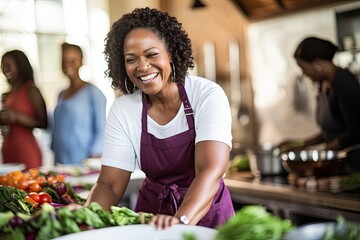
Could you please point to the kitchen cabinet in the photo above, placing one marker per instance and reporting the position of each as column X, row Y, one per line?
column 298, row 205
column 348, row 29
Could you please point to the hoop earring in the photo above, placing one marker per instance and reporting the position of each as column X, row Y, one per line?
column 173, row 72
column 126, row 87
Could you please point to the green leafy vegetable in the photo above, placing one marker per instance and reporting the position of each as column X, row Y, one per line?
column 12, row 199
column 48, row 222
column 67, row 218
column 73, row 194
column 253, row 222
column 124, row 216
column 189, row 236
column 352, row 182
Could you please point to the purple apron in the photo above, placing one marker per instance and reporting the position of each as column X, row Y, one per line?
column 169, row 167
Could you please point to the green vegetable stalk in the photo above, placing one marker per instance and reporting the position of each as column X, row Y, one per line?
column 12, row 199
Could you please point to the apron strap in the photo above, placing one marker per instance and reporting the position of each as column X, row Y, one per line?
column 187, row 108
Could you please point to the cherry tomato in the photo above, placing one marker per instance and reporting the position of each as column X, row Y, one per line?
column 34, row 186
column 51, row 179
column 23, row 184
column 32, row 202
column 44, row 198
column 35, row 196
column 60, row 178
column 41, row 180
column 3, row 179
column 33, row 173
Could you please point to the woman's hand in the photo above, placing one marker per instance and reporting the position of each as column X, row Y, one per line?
column 163, row 221
column 8, row 116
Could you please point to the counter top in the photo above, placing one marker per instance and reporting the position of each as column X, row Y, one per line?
column 243, row 184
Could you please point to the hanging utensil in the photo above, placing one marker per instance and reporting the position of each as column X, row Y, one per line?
column 300, row 94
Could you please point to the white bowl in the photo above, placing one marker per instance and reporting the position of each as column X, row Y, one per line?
column 143, row 232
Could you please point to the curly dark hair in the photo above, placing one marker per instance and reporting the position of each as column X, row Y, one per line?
column 167, row 28
column 25, row 69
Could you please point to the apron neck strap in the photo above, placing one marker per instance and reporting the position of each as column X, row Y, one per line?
column 187, row 108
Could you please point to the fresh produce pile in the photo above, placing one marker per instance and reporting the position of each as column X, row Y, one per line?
column 351, row 183
column 50, row 222
column 240, row 162
column 29, row 190
column 253, row 222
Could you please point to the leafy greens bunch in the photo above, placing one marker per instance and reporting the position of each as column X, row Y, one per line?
column 253, row 222
column 48, row 222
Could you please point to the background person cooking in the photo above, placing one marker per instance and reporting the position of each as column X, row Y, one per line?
column 338, row 112
column 176, row 127
column 23, row 110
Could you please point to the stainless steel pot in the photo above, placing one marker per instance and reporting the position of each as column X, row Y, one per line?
column 264, row 162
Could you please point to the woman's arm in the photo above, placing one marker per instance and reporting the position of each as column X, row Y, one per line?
column 211, row 161
column 110, row 187
column 98, row 101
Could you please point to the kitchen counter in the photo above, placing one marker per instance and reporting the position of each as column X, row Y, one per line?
column 293, row 202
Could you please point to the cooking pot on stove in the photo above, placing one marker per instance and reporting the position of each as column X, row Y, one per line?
column 263, row 162
column 319, row 163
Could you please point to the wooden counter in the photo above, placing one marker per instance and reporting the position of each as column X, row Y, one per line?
column 290, row 202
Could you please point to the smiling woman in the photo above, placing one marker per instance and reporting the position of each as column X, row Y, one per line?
column 23, row 110
column 175, row 127
column 144, row 54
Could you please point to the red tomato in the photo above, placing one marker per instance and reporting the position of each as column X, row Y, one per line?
column 44, row 198
column 35, row 196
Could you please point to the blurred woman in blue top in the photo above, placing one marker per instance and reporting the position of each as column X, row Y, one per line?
column 80, row 114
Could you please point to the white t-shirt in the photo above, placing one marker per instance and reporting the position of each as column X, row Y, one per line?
column 212, row 119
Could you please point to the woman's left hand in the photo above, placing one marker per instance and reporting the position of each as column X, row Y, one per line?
column 163, row 221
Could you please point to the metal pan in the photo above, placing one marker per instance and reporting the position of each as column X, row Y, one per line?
column 320, row 162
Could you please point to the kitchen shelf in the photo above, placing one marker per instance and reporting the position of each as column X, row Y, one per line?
column 288, row 202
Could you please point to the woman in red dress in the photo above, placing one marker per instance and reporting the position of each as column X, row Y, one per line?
column 23, row 110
